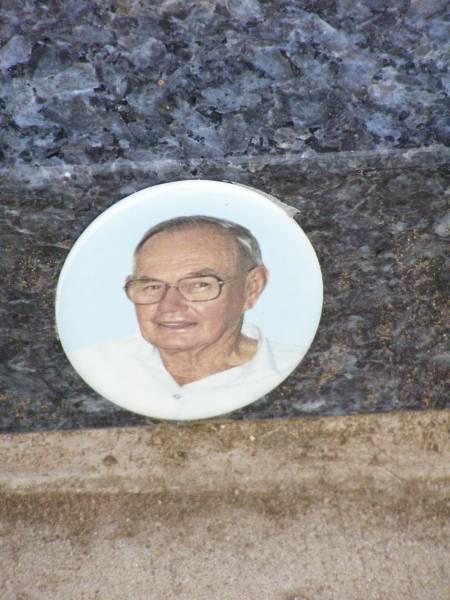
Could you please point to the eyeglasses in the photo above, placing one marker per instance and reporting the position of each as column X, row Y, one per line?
column 193, row 289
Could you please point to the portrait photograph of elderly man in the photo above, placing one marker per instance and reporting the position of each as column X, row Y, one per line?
column 193, row 279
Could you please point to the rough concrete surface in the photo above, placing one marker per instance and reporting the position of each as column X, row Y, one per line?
column 309, row 509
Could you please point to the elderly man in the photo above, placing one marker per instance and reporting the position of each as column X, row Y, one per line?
column 193, row 279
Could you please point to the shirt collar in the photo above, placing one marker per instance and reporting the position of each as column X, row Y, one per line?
column 262, row 361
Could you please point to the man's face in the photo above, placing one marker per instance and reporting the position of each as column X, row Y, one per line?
column 175, row 324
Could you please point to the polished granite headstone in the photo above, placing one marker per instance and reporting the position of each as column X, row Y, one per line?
column 89, row 82
column 335, row 107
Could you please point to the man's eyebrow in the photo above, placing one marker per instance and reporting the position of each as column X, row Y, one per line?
column 202, row 273
column 145, row 278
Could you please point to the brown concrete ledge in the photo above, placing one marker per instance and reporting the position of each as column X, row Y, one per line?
column 320, row 508
column 383, row 451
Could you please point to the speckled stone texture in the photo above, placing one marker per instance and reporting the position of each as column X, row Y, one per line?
column 377, row 223
column 84, row 81
column 335, row 107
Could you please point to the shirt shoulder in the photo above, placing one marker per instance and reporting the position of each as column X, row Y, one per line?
column 108, row 353
column 272, row 355
column 286, row 356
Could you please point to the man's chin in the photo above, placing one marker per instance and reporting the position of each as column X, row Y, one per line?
column 175, row 348
column 173, row 340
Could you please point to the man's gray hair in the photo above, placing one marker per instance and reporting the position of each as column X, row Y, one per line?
column 247, row 245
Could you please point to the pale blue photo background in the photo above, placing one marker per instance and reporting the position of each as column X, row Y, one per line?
column 91, row 306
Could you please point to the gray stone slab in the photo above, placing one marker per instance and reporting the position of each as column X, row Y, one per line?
column 376, row 220
column 337, row 108
column 87, row 83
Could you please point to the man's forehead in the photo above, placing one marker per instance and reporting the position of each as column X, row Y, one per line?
column 200, row 233
column 196, row 241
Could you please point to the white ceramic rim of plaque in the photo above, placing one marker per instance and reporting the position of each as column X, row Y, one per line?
column 97, row 324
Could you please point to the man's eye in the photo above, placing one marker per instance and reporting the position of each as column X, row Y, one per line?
column 152, row 287
column 201, row 285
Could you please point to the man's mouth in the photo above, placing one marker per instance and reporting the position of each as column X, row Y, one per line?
column 176, row 325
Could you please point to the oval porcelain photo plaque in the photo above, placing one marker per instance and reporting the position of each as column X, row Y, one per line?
column 189, row 300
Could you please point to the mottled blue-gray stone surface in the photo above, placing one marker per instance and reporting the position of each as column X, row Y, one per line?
column 84, row 81
column 376, row 220
column 338, row 108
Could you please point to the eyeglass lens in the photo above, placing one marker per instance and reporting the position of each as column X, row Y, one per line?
column 193, row 289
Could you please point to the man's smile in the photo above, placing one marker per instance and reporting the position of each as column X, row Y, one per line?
column 177, row 325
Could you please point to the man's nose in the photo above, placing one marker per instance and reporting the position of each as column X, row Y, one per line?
column 172, row 300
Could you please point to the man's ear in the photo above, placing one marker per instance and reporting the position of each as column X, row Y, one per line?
column 255, row 283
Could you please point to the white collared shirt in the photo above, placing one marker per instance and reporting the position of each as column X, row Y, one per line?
column 131, row 374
